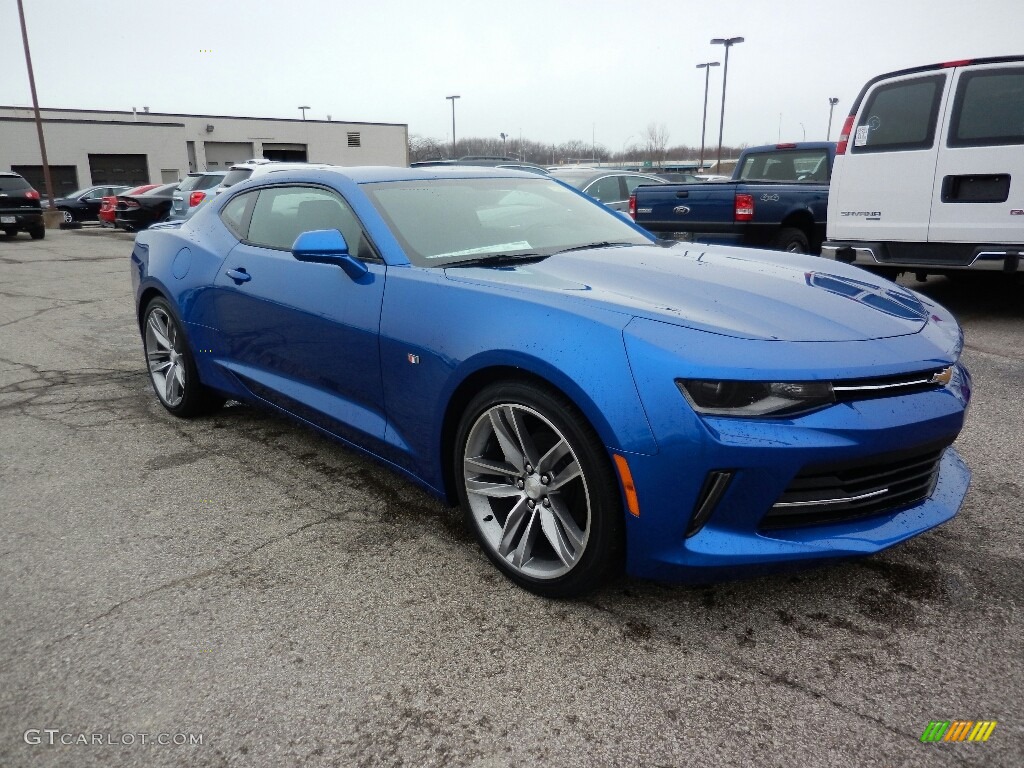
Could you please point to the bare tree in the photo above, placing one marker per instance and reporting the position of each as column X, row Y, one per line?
column 656, row 138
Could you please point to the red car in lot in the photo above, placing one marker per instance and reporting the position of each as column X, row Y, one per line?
column 108, row 203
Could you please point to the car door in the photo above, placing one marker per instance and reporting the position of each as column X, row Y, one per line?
column 883, row 191
column 300, row 335
column 979, row 178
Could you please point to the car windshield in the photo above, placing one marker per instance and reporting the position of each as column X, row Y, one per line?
column 447, row 221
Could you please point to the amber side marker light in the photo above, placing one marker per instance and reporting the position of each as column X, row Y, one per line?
column 632, row 503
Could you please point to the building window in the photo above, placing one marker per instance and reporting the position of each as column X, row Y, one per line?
column 354, row 139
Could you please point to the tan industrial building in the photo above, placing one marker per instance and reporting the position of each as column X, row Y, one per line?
column 87, row 147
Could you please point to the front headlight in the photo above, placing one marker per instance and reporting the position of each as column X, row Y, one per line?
column 755, row 398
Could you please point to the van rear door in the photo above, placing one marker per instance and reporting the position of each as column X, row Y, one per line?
column 979, row 179
column 880, row 188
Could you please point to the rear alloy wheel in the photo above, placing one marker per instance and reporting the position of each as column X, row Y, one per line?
column 538, row 490
column 172, row 370
column 68, row 218
column 792, row 240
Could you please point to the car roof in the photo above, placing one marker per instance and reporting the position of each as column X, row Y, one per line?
column 383, row 173
column 584, row 175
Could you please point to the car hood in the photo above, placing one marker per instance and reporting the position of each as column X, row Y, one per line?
column 743, row 293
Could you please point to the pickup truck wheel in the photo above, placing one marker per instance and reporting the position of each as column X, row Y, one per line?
column 791, row 239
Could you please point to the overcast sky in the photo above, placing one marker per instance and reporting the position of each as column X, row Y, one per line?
column 551, row 70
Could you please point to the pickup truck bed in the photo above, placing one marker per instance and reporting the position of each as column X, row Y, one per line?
column 777, row 198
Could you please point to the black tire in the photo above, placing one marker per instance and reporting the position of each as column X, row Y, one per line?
column 11, row 232
column 38, row 233
column 792, row 240
column 551, row 502
column 186, row 397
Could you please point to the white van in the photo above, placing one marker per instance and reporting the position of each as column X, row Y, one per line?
column 929, row 171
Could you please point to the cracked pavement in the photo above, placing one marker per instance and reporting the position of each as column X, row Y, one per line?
column 243, row 578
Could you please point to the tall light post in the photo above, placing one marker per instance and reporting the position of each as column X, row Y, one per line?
column 706, row 66
column 832, row 101
column 303, row 111
column 452, row 100
column 728, row 42
column 504, row 138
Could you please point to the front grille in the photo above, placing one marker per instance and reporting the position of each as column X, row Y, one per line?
column 830, row 494
column 888, row 386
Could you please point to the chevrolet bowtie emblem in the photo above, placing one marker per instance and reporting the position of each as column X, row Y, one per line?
column 942, row 377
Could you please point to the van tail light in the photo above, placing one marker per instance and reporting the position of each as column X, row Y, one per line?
column 844, row 135
column 632, row 206
column 196, row 198
column 744, row 207
column 32, row 195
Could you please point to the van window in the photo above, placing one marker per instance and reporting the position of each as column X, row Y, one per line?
column 900, row 116
column 988, row 109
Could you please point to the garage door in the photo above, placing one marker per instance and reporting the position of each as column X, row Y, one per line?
column 288, row 153
column 65, row 178
column 223, row 154
column 119, row 169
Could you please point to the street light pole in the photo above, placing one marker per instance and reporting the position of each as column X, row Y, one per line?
column 728, row 42
column 832, row 101
column 504, row 137
column 704, row 121
column 303, row 111
column 452, row 100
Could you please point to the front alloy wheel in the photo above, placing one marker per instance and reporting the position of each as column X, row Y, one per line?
column 538, row 490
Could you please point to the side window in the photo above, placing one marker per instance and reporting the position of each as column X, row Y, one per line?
column 988, row 109
column 606, row 190
column 900, row 116
column 235, row 214
column 283, row 213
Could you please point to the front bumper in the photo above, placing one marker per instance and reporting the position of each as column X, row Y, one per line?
column 763, row 456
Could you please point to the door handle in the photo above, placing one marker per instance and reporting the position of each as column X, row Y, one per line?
column 239, row 275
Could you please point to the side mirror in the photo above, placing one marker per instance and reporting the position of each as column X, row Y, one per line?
column 328, row 246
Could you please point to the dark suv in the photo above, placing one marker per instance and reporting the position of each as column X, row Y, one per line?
column 20, row 210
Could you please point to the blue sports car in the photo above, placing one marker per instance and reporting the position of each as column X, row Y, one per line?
column 592, row 398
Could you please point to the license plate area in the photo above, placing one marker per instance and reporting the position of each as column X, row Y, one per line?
column 7, row 220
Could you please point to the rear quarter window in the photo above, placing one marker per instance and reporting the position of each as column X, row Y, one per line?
column 988, row 109
column 900, row 116
column 235, row 176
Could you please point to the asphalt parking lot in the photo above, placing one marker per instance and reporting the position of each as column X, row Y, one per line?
column 244, row 580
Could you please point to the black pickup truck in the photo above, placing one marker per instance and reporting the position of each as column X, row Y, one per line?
column 776, row 198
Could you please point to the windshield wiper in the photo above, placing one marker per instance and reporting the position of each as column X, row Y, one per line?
column 499, row 260
column 588, row 246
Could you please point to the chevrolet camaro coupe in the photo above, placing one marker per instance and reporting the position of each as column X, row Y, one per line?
column 593, row 398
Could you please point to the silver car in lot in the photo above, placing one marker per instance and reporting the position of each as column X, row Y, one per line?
column 193, row 192
column 609, row 185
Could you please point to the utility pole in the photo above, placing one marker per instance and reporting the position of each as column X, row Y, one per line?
column 35, row 106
